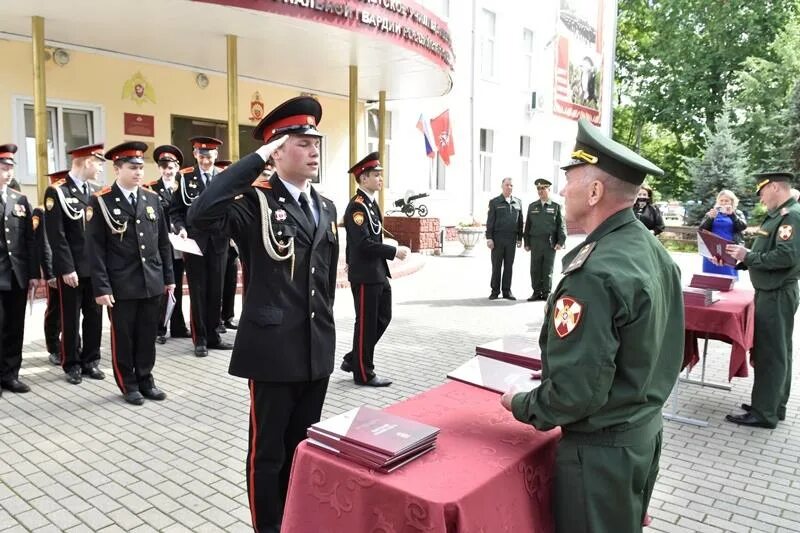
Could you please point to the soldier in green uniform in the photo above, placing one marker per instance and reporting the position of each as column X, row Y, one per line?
column 612, row 347
column 545, row 233
column 503, row 237
column 774, row 266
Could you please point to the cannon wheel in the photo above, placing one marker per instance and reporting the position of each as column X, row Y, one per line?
column 423, row 210
column 408, row 209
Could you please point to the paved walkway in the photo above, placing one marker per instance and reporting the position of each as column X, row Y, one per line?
column 77, row 458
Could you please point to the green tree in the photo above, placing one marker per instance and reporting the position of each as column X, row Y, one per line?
column 722, row 166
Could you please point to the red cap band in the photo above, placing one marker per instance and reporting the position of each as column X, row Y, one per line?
column 294, row 120
column 6, row 155
column 366, row 166
column 127, row 153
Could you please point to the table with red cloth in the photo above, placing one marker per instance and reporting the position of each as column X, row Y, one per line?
column 731, row 320
column 488, row 472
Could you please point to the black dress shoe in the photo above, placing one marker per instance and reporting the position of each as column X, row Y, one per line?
column 533, row 297
column 232, row 323
column 161, row 339
column 747, row 407
column 221, row 345
column 749, row 419
column 154, row 394
column 74, row 376
column 201, row 350
column 376, row 382
column 134, row 397
column 347, row 366
column 509, row 296
column 15, row 385
column 181, row 334
column 493, row 296
column 221, row 329
column 93, row 372
column 54, row 359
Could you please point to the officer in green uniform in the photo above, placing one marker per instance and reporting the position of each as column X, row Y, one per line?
column 612, row 346
column 503, row 237
column 544, row 234
column 774, row 266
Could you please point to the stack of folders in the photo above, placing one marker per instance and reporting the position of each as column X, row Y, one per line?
column 717, row 282
column 494, row 375
column 699, row 297
column 373, row 438
column 520, row 351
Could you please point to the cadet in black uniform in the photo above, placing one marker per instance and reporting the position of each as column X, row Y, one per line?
column 66, row 214
column 169, row 159
column 19, row 271
column 368, row 271
column 503, row 237
column 544, row 234
column 286, row 340
column 131, row 269
column 230, row 278
column 203, row 271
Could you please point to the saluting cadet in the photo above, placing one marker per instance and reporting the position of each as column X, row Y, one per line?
column 503, row 237
column 368, row 271
column 230, row 278
column 544, row 234
column 170, row 159
column 774, row 266
column 19, row 272
column 131, row 269
column 203, row 271
column 286, row 340
column 66, row 214
column 612, row 346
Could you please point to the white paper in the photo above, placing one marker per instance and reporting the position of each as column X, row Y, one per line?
column 184, row 245
column 170, row 306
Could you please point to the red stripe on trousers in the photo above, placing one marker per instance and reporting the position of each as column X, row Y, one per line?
column 61, row 325
column 117, row 373
column 361, row 334
column 252, row 457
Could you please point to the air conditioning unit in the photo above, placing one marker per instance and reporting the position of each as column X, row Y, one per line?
column 536, row 103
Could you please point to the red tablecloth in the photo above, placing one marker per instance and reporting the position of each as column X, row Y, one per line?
column 488, row 473
column 730, row 320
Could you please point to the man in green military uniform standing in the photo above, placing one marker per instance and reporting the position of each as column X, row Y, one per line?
column 774, row 266
column 503, row 237
column 544, row 234
column 612, row 347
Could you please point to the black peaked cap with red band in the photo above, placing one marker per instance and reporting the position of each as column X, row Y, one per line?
column 204, row 145
column 7, row 152
column 371, row 162
column 297, row 116
column 168, row 152
column 129, row 152
column 88, row 150
column 58, row 175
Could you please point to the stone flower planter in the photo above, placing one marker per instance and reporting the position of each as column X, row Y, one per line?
column 469, row 236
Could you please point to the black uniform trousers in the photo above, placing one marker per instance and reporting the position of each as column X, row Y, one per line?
column 12, row 326
column 205, row 293
column 543, row 257
column 134, row 324
column 177, row 324
column 373, row 305
column 75, row 301
column 280, row 413
column 229, row 284
column 52, row 320
column 505, row 248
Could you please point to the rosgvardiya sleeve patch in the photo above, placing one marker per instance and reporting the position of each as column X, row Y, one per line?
column 567, row 314
column 785, row 232
column 358, row 218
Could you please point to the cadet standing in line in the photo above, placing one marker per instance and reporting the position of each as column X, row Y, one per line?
column 503, row 236
column 612, row 347
column 774, row 266
column 368, row 271
column 131, row 270
column 203, row 271
column 287, row 336
column 544, row 234
column 66, row 214
column 169, row 159
column 230, row 278
column 19, row 272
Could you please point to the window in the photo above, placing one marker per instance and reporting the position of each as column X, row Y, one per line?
column 524, row 157
column 373, row 132
column 488, row 20
column 68, row 125
column 485, row 158
column 526, row 68
column 556, row 162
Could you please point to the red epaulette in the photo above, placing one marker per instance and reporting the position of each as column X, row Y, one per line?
column 262, row 182
column 358, row 199
column 102, row 191
column 58, row 183
column 151, row 184
column 187, row 170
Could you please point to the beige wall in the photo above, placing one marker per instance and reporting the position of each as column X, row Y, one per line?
column 98, row 79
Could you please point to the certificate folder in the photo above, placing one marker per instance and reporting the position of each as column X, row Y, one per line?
column 520, row 351
column 494, row 375
column 713, row 247
column 717, row 282
column 385, row 468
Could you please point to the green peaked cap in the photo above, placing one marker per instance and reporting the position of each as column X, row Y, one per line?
column 594, row 148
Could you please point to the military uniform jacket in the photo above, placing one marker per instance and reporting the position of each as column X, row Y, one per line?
column 66, row 214
column 41, row 244
column 774, row 261
column 612, row 340
column 544, row 222
column 286, row 330
column 190, row 187
column 366, row 254
column 18, row 257
column 504, row 219
column 136, row 263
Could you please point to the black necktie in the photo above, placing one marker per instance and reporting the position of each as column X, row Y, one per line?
column 132, row 200
column 85, row 189
column 307, row 209
column 207, row 178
